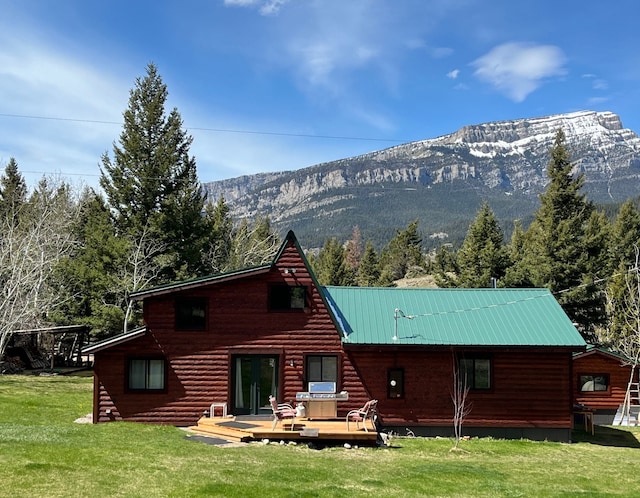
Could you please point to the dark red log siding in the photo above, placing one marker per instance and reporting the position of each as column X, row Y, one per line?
column 530, row 389
column 239, row 322
column 598, row 363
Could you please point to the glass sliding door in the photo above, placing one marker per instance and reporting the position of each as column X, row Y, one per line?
column 255, row 377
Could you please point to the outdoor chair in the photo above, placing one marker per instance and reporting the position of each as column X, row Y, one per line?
column 282, row 411
column 368, row 411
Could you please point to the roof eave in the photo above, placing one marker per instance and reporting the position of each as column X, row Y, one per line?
column 114, row 341
column 194, row 284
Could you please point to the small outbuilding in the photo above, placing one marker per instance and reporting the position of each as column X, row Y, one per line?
column 600, row 381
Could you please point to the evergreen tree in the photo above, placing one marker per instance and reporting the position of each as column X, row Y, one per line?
column 625, row 236
column 402, row 252
column 368, row 274
column 445, row 260
column 555, row 249
column 483, row 256
column 517, row 243
column 220, row 229
column 13, row 192
column 330, row 266
column 151, row 184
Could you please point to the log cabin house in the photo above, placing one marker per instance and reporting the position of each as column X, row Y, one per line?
column 238, row 337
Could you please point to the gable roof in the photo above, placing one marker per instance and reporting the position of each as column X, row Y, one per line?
column 114, row 340
column 593, row 349
column 222, row 277
column 198, row 282
column 447, row 317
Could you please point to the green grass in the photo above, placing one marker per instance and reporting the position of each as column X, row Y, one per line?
column 44, row 453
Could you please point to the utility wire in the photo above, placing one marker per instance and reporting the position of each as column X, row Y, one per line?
column 215, row 130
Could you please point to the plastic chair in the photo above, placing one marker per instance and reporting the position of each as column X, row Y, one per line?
column 368, row 411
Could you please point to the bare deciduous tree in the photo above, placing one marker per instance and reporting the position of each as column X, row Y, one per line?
column 626, row 307
column 461, row 407
column 30, row 247
column 142, row 269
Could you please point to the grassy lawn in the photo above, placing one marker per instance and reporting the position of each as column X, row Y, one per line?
column 44, row 453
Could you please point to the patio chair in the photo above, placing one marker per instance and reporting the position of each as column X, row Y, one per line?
column 368, row 411
column 282, row 411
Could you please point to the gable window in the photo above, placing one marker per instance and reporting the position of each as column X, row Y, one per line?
column 476, row 372
column 146, row 374
column 395, row 383
column 191, row 313
column 321, row 368
column 594, row 382
column 287, row 297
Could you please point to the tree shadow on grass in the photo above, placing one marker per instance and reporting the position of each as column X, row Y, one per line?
column 607, row 436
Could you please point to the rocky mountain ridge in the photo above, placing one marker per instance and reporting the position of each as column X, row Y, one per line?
column 440, row 181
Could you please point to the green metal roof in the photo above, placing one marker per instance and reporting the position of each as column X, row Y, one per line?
column 470, row 317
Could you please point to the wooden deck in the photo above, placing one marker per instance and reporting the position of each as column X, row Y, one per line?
column 245, row 429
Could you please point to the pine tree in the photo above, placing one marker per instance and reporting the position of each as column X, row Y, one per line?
column 330, row 266
column 220, row 230
column 625, row 235
column 368, row 274
column 483, row 256
column 403, row 251
column 151, row 184
column 13, row 192
column 555, row 248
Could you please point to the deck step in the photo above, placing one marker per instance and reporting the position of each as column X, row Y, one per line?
column 219, row 432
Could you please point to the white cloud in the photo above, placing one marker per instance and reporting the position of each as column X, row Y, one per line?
column 600, row 84
column 453, row 74
column 517, row 69
column 265, row 7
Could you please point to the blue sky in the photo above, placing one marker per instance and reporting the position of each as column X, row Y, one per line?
column 267, row 85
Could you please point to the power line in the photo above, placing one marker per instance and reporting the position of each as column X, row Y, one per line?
column 215, row 130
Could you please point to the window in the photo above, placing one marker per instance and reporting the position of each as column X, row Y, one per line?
column 191, row 314
column 592, row 383
column 322, row 368
column 395, row 383
column 476, row 372
column 287, row 297
column 147, row 374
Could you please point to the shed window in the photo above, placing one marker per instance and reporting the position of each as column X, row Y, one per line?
column 476, row 372
column 147, row 374
column 287, row 297
column 395, row 383
column 594, row 382
column 191, row 313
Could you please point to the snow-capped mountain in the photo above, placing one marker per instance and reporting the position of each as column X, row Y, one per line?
column 441, row 181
